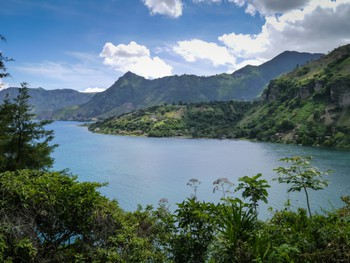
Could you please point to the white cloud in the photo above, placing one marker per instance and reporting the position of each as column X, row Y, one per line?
column 244, row 45
column 93, row 90
column 171, row 8
column 252, row 62
column 194, row 50
column 319, row 27
column 136, row 58
column 268, row 7
column 206, row 1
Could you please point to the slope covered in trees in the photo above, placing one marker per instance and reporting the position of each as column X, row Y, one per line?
column 310, row 105
column 210, row 120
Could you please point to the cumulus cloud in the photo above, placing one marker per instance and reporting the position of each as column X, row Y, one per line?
column 136, row 58
column 194, row 50
column 266, row 7
column 245, row 45
column 319, row 27
column 171, row 8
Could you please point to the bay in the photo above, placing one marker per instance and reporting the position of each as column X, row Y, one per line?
column 141, row 170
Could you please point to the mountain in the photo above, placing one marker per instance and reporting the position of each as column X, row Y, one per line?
column 131, row 92
column 45, row 102
column 252, row 79
column 308, row 106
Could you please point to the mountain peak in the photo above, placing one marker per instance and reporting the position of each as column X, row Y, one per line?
column 130, row 74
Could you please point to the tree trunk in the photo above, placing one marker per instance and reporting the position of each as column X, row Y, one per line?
column 307, row 201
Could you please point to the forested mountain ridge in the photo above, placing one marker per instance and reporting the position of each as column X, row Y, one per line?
column 309, row 106
column 45, row 102
column 131, row 92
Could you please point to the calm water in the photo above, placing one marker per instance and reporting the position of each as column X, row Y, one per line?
column 144, row 170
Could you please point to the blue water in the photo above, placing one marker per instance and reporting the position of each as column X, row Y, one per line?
column 144, row 170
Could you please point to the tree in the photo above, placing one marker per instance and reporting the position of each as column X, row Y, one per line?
column 3, row 72
column 301, row 175
column 25, row 144
column 254, row 189
column 194, row 231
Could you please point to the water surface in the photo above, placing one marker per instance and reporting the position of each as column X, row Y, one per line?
column 143, row 170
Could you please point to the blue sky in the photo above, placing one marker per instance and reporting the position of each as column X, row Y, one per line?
column 88, row 44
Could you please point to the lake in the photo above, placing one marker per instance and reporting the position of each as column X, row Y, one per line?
column 142, row 170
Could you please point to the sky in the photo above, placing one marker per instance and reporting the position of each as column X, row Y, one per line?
column 88, row 44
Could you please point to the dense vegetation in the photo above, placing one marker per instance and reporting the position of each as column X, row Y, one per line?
column 309, row 106
column 131, row 92
column 51, row 217
column 212, row 120
column 48, row 216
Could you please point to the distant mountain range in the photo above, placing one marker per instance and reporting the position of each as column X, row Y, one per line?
column 131, row 92
column 45, row 102
column 309, row 105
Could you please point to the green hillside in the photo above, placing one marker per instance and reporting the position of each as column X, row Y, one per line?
column 132, row 92
column 211, row 120
column 309, row 106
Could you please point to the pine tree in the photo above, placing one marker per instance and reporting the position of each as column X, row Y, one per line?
column 3, row 59
column 24, row 142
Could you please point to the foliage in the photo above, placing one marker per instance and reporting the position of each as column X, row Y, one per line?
column 25, row 144
column 50, row 216
column 236, row 224
column 301, row 175
column 193, row 231
column 307, row 106
column 295, row 237
column 254, row 189
column 212, row 120
column 3, row 59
